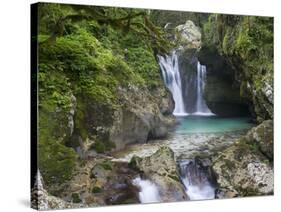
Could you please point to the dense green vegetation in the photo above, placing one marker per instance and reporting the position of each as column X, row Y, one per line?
column 85, row 55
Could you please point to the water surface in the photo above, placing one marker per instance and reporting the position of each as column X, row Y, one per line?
column 212, row 124
column 194, row 135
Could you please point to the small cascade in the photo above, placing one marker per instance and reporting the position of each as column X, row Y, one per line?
column 148, row 191
column 201, row 106
column 172, row 79
column 196, row 181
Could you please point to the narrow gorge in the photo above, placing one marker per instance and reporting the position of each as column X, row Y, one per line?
column 145, row 106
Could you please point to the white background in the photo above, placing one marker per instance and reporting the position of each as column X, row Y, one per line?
column 15, row 98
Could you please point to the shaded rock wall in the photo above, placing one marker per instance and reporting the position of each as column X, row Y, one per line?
column 222, row 92
column 246, row 45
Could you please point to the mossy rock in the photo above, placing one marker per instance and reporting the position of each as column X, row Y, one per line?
column 107, row 165
column 76, row 198
column 134, row 162
column 99, row 147
column 56, row 162
column 174, row 177
column 102, row 146
column 96, row 190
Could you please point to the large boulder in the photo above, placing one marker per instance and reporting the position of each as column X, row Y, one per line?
column 139, row 116
column 242, row 170
column 142, row 117
column 262, row 136
column 161, row 169
column 188, row 35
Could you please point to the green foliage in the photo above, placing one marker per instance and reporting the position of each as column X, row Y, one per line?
column 50, row 14
column 106, row 165
column 79, row 119
column 247, row 43
column 56, row 161
column 74, row 53
column 145, row 64
column 121, row 19
column 54, row 89
column 102, row 146
column 99, row 147
column 76, row 198
column 88, row 53
column 174, row 177
column 249, row 37
column 210, row 32
column 133, row 164
column 96, row 190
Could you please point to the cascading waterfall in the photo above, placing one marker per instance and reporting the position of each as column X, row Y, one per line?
column 201, row 107
column 148, row 191
column 196, row 181
column 172, row 79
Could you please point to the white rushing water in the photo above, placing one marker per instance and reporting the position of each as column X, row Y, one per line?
column 148, row 191
column 196, row 181
column 201, row 106
column 196, row 192
column 172, row 79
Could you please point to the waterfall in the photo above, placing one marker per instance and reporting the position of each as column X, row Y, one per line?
column 172, row 79
column 148, row 191
column 195, row 180
column 201, row 107
column 188, row 97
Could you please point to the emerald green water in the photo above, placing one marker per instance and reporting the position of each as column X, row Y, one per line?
column 212, row 124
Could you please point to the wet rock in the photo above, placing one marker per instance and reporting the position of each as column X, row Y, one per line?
column 262, row 135
column 241, row 170
column 161, row 169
